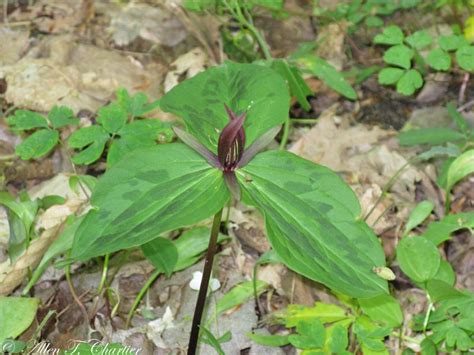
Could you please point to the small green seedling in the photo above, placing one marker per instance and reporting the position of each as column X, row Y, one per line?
column 407, row 57
column 119, row 127
column 46, row 130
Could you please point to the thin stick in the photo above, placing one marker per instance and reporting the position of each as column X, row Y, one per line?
column 201, row 301
column 74, row 294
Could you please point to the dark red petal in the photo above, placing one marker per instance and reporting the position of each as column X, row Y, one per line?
column 258, row 145
column 193, row 143
column 229, row 136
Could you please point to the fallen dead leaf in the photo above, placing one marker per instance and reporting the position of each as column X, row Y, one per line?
column 185, row 67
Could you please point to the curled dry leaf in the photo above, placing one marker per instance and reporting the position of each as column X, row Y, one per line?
column 51, row 221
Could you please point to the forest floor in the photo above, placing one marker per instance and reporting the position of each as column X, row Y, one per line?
column 77, row 53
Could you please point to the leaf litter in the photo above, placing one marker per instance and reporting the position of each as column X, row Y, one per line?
column 84, row 76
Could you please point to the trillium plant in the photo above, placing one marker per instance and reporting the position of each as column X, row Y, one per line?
column 231, row 113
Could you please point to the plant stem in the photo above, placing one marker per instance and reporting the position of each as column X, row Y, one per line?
column 304, row 120
column 286, row 131
column 103, row 278
column 140, row 295
column 428, row 313
column 201, row 301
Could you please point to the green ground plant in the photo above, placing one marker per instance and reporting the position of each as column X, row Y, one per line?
column 409, row 57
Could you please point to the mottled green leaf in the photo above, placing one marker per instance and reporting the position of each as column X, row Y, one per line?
column 61, row 116
column 399, row 55
column 162, row 253
column 391, row 35
column 24, row 120
column 327, row 73
column 311, row 221
column 153, row 191
column 16, row 315
column 251, row 88
column 38, row 144
column 120, row 147
column 418, row 258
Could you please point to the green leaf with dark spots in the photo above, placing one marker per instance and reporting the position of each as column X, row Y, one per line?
column 311, row 217
column 259, row 91
column 38, row 144
column 152, row 191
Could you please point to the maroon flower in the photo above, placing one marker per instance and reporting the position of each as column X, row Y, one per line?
column 231, row 152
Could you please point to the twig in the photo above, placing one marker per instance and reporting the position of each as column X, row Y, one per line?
column 462, row 90
column 74, row 294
